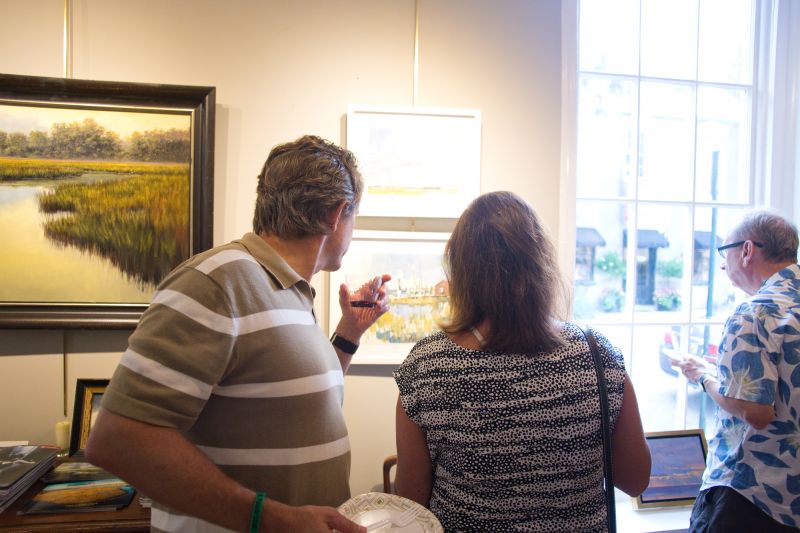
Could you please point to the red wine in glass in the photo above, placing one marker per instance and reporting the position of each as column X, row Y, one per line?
column 361, row 303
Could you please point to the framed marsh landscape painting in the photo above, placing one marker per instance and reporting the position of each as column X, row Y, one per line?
column 104, row 188
column 416, row 161
column 417, row 291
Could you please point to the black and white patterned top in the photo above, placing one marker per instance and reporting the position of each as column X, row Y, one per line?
column 515, row 440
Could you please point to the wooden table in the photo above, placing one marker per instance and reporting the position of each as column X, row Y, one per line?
column 133, row 518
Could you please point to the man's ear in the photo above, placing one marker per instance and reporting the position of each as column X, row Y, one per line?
column 748, row 249
column 335, row 215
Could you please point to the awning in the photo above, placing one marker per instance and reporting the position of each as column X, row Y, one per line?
column 589, row 237
column 647, row 238
column 702, row 238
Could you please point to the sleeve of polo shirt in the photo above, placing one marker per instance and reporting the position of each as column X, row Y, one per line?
column 746, row 370
column 182, row 347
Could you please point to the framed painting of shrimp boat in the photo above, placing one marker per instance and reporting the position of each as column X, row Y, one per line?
column 416, row 161
column 417, row 290
column 104, row 188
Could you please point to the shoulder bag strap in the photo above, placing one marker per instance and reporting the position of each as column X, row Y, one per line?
column 606, row 423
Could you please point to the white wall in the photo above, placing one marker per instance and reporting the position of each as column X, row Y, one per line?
column 283, row 69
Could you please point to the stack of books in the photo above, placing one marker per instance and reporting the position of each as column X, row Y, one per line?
column 20, row 467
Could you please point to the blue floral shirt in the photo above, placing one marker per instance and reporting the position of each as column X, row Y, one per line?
column 760, row 362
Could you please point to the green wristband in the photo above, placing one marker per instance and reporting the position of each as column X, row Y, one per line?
column 255, row 517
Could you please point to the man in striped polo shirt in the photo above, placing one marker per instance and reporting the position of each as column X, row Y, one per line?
column 229, row 390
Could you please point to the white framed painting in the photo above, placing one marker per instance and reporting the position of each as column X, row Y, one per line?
column 416, row 161
column 417, row 291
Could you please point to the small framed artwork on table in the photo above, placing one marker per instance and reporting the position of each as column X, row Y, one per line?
column 416, row 161
column 88, row 394
column 678, row 462
column 417, row 291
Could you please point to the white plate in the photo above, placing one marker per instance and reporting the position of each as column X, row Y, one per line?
column 366, row 509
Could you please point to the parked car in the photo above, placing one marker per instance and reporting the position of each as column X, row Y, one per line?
column 670, row 349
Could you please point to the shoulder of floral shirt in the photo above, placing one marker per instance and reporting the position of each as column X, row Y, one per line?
column 788, row 273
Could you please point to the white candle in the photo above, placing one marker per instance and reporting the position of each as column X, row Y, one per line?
column 62, row 434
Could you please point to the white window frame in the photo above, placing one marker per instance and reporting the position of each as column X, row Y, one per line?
column 775, row 137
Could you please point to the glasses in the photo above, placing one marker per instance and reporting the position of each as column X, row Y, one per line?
column 723, row 250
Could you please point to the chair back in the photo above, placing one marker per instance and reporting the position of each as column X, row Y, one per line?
column 388, row 464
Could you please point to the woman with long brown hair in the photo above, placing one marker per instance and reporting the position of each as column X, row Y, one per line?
column 498, row 419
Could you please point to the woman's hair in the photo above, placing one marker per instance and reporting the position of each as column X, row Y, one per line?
column 777, row 235
column 501, row 266
column 299, row 185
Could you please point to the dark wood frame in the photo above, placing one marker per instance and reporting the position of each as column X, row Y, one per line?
column 85, row 391
column 201, row 102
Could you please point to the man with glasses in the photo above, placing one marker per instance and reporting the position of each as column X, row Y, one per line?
column 752, row 476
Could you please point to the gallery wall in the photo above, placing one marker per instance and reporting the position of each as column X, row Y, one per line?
column 283, row 69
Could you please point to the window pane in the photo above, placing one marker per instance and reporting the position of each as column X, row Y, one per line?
column 707, row 271
column 609, row 37
column 657, row 383
column 669, row 36
column 662, row 258
column 606, row 137
column 725, row 50
column 703, row 342
column 666, row 142
column 600, row 228
column 723, row 129
column 665, row 101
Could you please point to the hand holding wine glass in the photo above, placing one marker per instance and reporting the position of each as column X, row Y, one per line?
column 363, row 299
column 363, row 292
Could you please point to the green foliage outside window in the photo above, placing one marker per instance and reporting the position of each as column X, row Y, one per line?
column 667, row 300
column 670, row 268
column 611, row 264
column 611, row 300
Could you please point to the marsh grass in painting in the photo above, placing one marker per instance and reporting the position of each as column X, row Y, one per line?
column 136, row 215
column 88, row 213
column 140, row 223
column 409, row 191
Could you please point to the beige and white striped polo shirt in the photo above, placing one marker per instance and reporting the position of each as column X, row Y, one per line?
column 229, row 351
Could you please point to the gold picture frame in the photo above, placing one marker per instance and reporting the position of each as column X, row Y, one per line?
column 88, row 393
column 678, row 462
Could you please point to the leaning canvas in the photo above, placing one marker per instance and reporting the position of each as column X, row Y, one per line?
column 678, row 462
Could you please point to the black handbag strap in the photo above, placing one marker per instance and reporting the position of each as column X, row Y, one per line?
column 606, row 425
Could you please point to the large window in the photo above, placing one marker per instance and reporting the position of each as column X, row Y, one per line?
column 666, row 107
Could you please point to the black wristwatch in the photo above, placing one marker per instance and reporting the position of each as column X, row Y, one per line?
column 343, row 344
